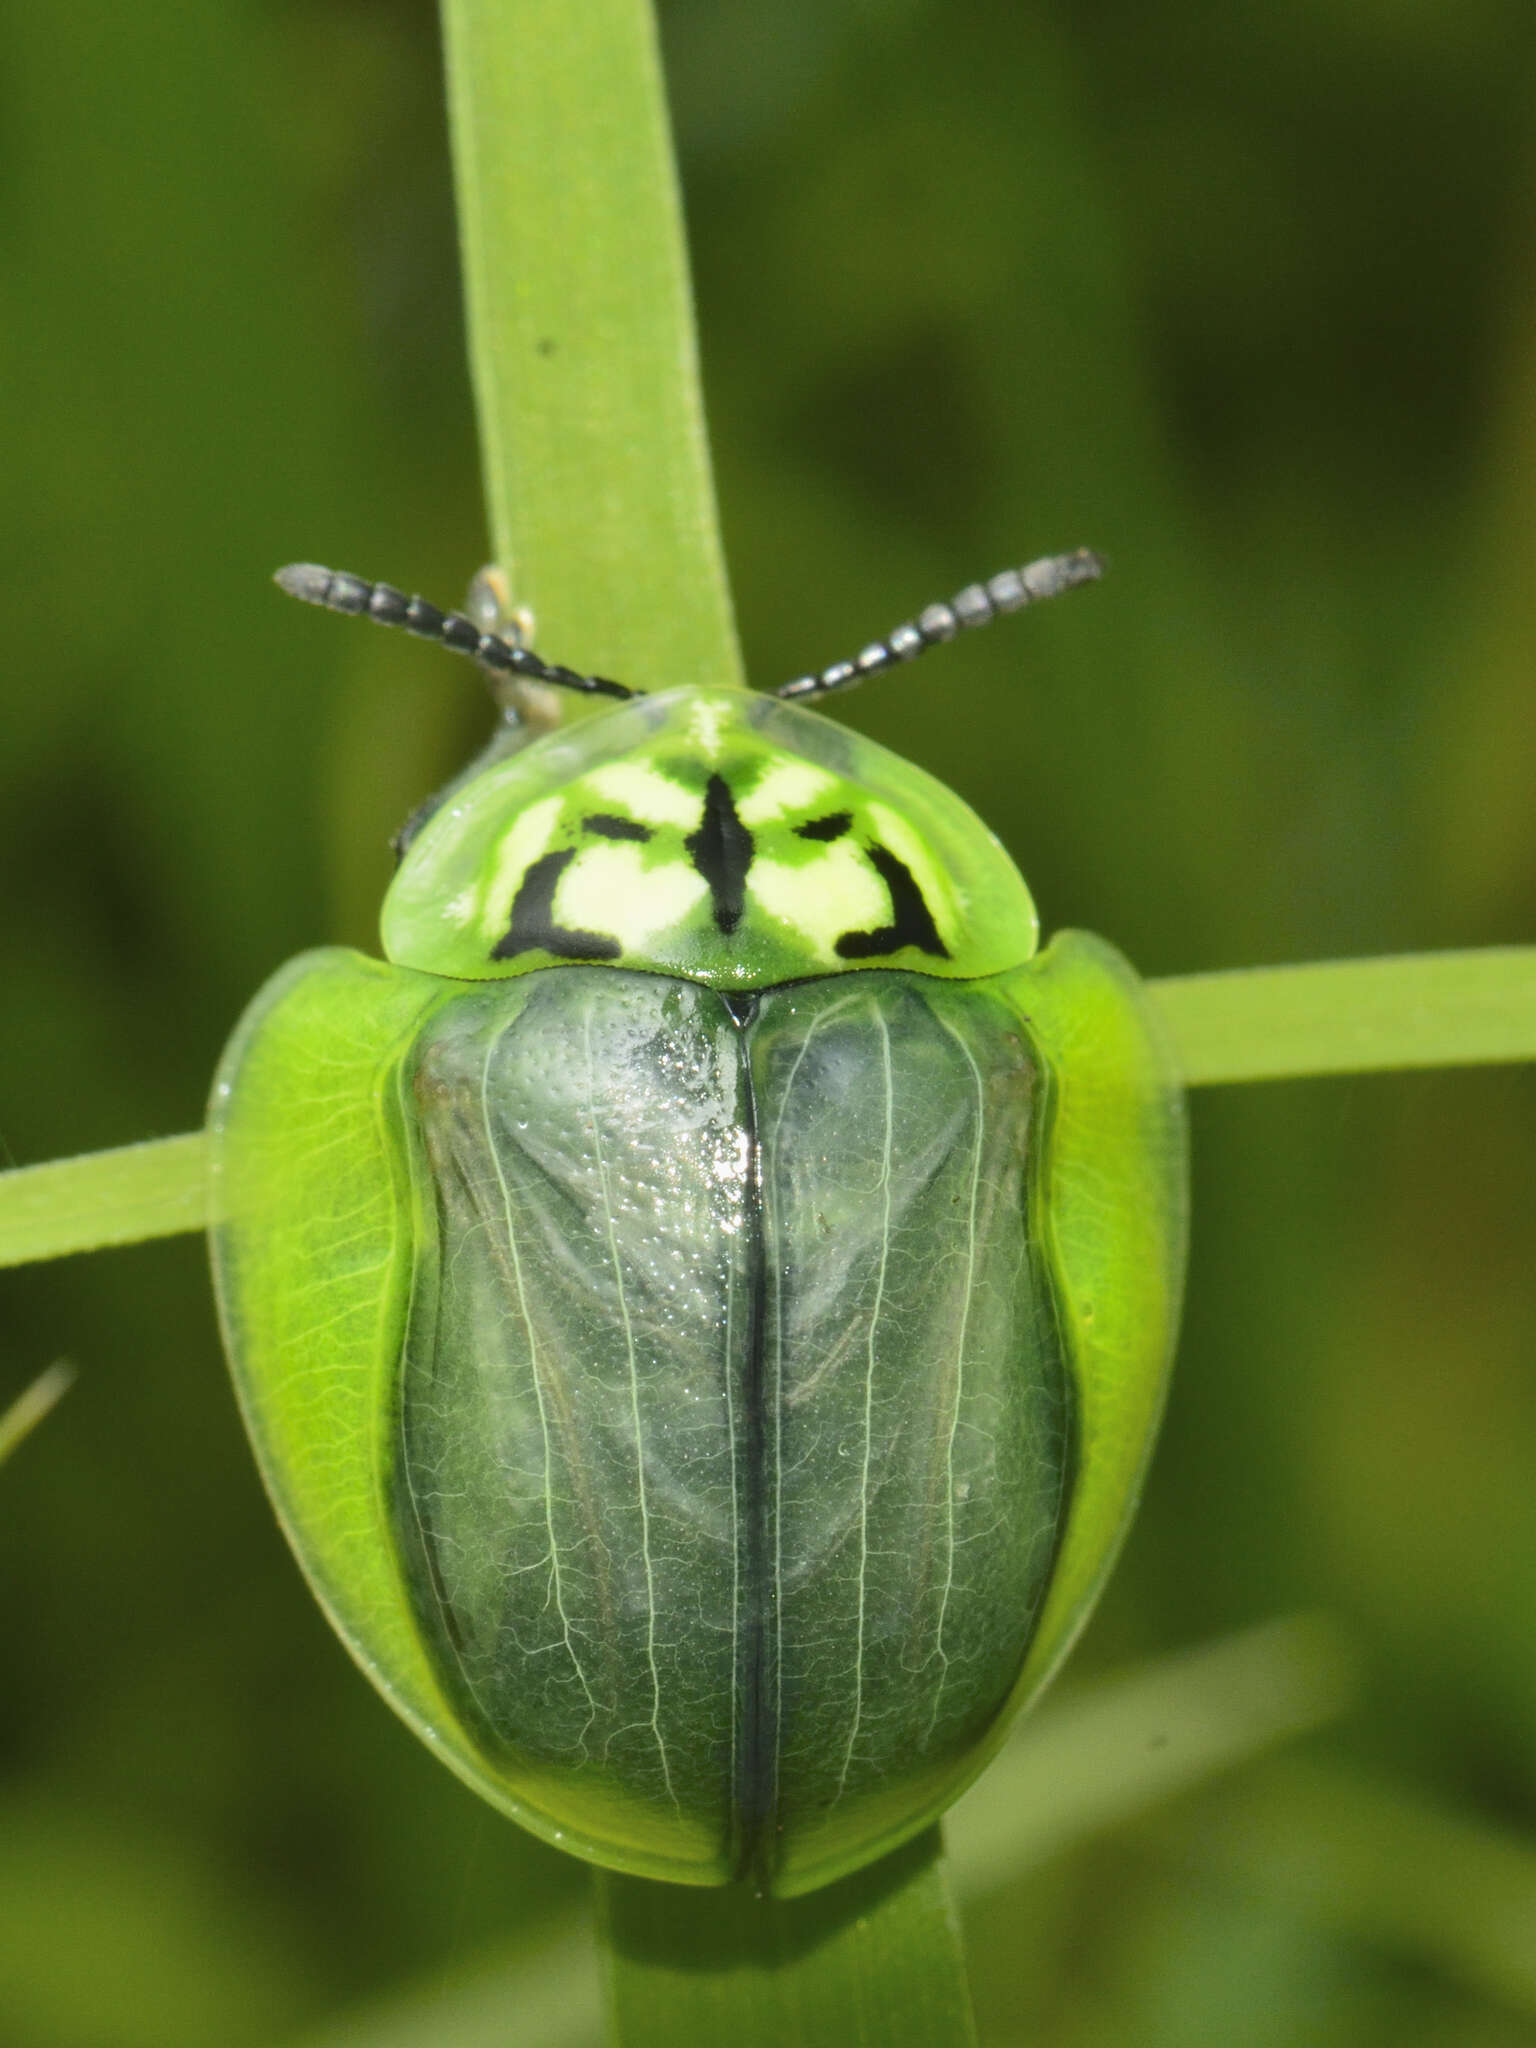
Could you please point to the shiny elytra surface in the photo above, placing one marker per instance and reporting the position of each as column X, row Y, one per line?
column 727, row 1350
column 704, row 1420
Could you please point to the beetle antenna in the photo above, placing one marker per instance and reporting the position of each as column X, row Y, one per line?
column 977, row 605
column 336, row 591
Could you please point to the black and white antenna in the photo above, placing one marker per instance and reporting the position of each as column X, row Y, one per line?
column 977, row 605
column 336, row 591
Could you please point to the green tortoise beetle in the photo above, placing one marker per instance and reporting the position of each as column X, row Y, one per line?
column 702, row 1305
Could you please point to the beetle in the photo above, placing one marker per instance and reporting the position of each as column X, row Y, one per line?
column 702, row 1304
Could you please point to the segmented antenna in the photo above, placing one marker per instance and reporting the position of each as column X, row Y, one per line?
column 977, row 605
column 336, row 591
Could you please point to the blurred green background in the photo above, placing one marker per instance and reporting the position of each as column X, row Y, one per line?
column 1246, row 298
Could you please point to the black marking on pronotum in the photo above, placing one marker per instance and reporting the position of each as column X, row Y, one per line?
column 607, row 826
column 911, row 920
column 335, row 591
column 977, row 605
column 533, row 918
column 832, row 826
column 721, row 850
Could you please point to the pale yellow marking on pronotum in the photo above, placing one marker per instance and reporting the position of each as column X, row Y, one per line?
column 704, row 722
column 894, row 833
column 649, row 796
column 821, row 899
column 787, row 786
column 607, row 888
column 530, row 835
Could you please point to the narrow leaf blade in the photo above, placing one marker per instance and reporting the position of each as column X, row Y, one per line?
column 1354, row 1016
column 873, row 1962
column 102, row 1198
column 581, row 338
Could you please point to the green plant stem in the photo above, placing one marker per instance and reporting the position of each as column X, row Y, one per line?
column 874, row 1960
column 1353, row 1016
column 1255, row 1024
column 581, row 339
column 102, row 1198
